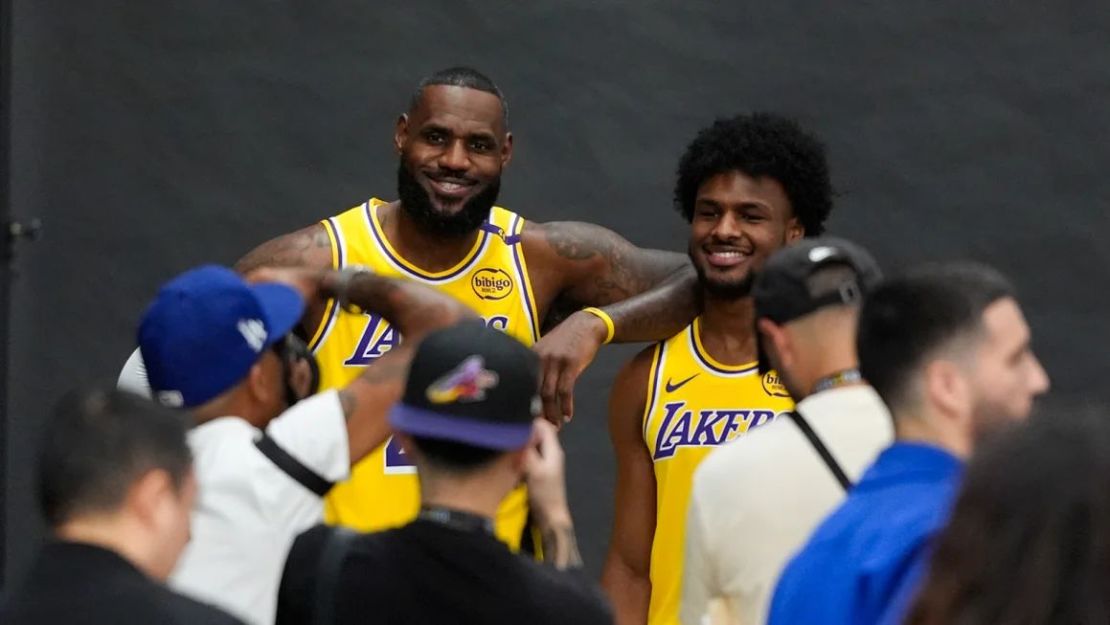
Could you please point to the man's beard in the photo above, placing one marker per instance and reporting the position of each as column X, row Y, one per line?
column 417, row 204
column 728, row 290
column 991, row 418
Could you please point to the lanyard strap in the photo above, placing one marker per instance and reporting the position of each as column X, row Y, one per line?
column 457, row 519
column 840, row 378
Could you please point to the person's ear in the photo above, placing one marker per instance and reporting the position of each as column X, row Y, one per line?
column 266, row 386
column 401, row 133
column 507, row 149
column 148, row 496
column 795, row 231
column 947, row 388
column 777, row 343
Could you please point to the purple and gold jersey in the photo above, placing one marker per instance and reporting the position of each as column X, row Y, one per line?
column 492, row 279
column 694, row 404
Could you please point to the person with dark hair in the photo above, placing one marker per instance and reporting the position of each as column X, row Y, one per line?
column 763, row 145
column 948, row 350
column 779, row 482
column 465, row 77
column 446, row 231
column 216, row 345
column 116, row 487
column 469, row 418
column 1029, row 536
column 748, row 185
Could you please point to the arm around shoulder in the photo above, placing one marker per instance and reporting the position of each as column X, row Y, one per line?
column 633, row 294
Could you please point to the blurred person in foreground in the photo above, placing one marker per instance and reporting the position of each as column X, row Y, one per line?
column 217, row 346
column 469, row 419
column 1029, row 538
column 116, row 487
column 780, row 481
column 948, row 350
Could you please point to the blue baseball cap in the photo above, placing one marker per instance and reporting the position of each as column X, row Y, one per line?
column 205, row 330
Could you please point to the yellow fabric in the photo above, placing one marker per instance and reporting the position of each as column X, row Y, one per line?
column 383, row 491
column 694, row 404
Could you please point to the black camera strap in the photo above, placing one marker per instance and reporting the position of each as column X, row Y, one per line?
column 823, row 451
column 292, row 467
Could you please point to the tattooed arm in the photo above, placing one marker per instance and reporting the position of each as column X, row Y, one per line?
column 414, row 309
column 592, row 266
column 308, row 247
column 544, row 465
column 649, row 294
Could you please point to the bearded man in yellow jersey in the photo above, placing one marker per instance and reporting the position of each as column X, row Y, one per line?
column 748, row 186
column 447, row 232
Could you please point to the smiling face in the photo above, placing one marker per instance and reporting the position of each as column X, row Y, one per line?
column 453, row 145
column 738, row 222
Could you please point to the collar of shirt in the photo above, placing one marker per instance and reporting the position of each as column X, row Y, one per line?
column 904, row 462
column 67, row 559
column 859, row 397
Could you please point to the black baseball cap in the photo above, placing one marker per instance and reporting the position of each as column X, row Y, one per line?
column 473, row 385
column 782, row 292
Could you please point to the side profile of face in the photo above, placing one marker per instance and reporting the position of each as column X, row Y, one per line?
column 738, row 222
column 1005, row 377
column 452, row 146
column 266, row 385
column 170, row 518
column 774, row 341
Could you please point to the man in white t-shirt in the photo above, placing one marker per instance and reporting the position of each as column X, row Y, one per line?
column 214, row 344
column 756, row 500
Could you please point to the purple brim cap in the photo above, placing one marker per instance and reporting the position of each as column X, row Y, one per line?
column 486, row 434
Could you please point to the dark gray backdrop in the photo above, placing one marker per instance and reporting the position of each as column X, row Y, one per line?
column 152, row 136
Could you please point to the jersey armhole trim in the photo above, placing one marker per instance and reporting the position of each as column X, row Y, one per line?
column 338, row 261
column 654, row 375
column 515, row 228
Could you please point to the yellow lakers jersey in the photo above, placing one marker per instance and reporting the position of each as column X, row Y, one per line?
column 694, row 404
column 492, row 279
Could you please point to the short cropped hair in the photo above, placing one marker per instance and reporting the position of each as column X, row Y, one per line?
column 760, row 144
column 907, row 319
column 97, row 443
column 452, row 456
column 461, row 76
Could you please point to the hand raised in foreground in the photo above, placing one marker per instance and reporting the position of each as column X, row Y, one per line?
column 545, row 474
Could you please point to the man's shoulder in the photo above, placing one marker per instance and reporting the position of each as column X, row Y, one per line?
column 181, row 610
column 861, row 406
column 123, row 600
column 568, row 593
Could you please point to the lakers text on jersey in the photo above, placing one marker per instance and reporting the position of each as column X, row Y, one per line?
column 492, row 279
column 694, row 404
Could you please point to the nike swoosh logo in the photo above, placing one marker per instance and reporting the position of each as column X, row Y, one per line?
column 674, row 387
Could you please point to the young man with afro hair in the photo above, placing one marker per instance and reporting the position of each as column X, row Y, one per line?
column 748, row 186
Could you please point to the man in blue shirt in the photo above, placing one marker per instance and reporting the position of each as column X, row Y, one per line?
column 947, row 348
